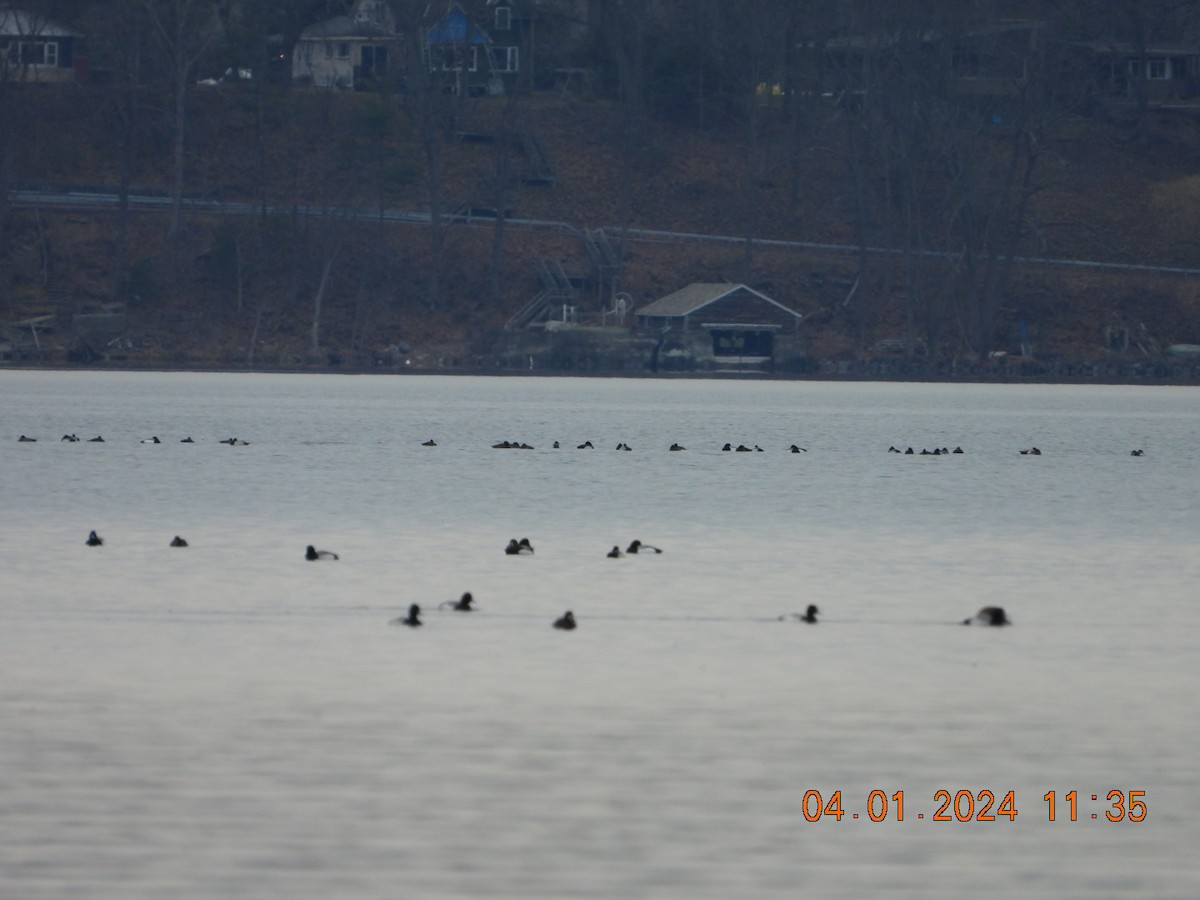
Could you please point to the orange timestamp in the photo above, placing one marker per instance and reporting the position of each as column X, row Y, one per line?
column 966, row 805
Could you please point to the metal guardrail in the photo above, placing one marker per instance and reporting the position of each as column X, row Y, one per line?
column 81, row 200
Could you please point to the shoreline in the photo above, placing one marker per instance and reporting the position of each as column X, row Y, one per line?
column 1173, row 377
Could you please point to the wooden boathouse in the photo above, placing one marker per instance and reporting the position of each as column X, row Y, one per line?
column 721, row 326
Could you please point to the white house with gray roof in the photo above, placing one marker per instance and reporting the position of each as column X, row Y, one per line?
column 35, row 48
column 348, row 51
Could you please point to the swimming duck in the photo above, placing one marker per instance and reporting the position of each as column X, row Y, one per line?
column 151, row 440
column 69, row 438
column 795, row 449
column 639, row 547
column 556, row 445
column 614, row 553
column 187, row 440
column 413, row 620
column 623, row 446
column 727, row 447
column 462, row 604
column 26, row 440
column 566, row 621
column 429, row 443
column 96, row 440
column 742, row 448
column 809, row 615
column 893, row 449
column 958, row 450
column 178, row 542
column 675, row 447
column 586, row 445
column 312, row 553
column 908, row 452
column 1032, row 451
column 989, row 615
column 516, row 547
column 93, row 539
column 1137, row 452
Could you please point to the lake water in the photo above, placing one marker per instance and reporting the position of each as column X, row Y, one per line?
column 229, row 720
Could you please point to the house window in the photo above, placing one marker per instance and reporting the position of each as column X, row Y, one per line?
column 343, row 50
column 504, row 59
column 32, row 53
column 739, row 342
column 1158, row 69
column 374, row 61
column 503, row 18
column 449, row 58
column 966, row 64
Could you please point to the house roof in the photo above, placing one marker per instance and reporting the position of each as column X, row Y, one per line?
column 19, row 23
column 882, row 40
column 453, row 28
column 366, row 20
column 688, row 300
column 344, row 27
column 1122, row 49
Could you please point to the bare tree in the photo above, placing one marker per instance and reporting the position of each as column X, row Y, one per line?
column 756, row 48
column 118, row 43
column 431, row 111
column 624, row 24
column 22, row 60
column 949, row 113
column 186, row 30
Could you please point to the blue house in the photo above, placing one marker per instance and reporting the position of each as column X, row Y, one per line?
column 466, row 56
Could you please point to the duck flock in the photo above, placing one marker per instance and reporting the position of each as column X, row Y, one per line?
column 586, row 445
column 988, row 615
column 99, row 439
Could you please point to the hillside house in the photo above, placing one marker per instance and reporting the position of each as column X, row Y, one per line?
column 508, row 29
column 721, row 326
column 489, row 46
column 990, row 61
column 458, row 51
column 34, row 48
column 1160, row 71
column 354, row 51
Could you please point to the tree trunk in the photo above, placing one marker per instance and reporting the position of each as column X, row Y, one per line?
column 318, row 301
column 180, row 146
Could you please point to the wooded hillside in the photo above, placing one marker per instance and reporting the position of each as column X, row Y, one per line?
column 783, row 132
